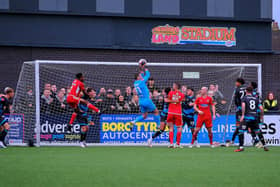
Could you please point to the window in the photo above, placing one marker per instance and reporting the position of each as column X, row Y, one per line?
column 4, row 4
column 53, row 5
column 110, row 6
column 266, row 8
column 166, row 7
column 220, row 8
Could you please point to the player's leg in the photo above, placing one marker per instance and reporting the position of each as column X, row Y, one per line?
column 159, row 131
column 209, row 125
column 73, row 102
column 236, row 132
column 5, row 128
column 179, row 125
column 171, row 135
column 257, row 130
column 241, row 130
column 84, row 130
column 190, row 123
column 199, row 124
column 89, row 105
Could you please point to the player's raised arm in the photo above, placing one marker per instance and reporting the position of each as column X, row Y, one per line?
column 146, row 75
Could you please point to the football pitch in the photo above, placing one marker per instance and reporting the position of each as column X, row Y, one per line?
column 138, row 166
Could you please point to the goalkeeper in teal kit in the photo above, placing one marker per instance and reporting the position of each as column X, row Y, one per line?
column 145, row 102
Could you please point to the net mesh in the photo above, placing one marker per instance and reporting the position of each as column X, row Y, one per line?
column 56, row 79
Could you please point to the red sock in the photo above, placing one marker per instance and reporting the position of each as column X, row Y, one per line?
column 210, row 135
column 73, row 117
column 90, row 106
column 171, row 136
column 194, row 137
column 178, row 138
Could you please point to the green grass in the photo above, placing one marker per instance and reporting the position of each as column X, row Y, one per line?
column 138, row 166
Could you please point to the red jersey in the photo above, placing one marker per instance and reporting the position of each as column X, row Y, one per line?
column 203, row 104
column 175, row 108
column 76, row 88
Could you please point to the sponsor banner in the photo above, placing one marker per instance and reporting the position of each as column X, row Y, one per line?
column 16, row 132
column 270, row 129
column 175, row 35
column 53, row 129
column 115, row 129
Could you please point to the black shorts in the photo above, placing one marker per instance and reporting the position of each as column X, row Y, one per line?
column 163, row 118
column 189, row 122
column 3, row 120
column 253, row 125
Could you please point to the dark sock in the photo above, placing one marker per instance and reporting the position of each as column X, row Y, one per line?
column 83, row 136
column 241, row 139
column 235, row 134
column 3, row 135
column 260, row 135
column 156, row 134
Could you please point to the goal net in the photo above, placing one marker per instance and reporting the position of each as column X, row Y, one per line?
column 42, row 89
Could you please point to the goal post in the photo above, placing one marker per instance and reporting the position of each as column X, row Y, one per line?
column 42, row 89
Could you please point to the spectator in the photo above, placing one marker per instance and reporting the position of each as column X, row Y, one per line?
column 219, row 98
column 53, row 91
column 270, row 104
column 117, row 93
column 63, row 90
column 59, row 104
column 121, row 105
column 109, row 103
column 45, row 102
column 155, row 95
column 151, row 84
column 47, row 86
column 134, row 92
column 134, row 104
column 30, row 98
column 184, row 89
column 160, row 102
column 128, row 94
column 102, row 94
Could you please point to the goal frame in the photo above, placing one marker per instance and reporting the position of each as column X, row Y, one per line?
column 37, row 64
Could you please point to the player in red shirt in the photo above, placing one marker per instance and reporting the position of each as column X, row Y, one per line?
column 74, row 98
column 175, row 97
column 202, row 106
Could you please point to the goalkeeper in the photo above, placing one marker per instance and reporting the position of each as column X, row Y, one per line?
column 84, row 120
column 145, row 102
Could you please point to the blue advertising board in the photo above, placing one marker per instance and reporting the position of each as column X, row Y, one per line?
column 53, row 129
column 115, row 129
column 16, row 132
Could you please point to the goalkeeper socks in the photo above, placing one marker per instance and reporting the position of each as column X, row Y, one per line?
column 92, row 107
column 139, row 118
column 178, row 138
column 210, row 135
column 171, row 137
column 73, row 117
column 157, row 134
column 3, row 135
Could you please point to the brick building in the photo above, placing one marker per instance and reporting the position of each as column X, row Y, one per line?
column 122, row 30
